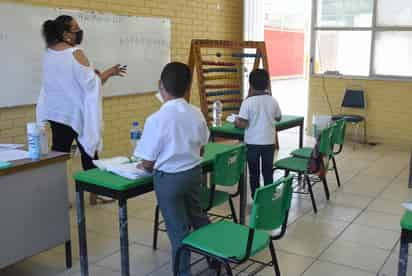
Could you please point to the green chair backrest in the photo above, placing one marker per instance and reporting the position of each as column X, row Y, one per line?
column 339, row 133
column 229, row 166
column 326, row 141
column 271, row 205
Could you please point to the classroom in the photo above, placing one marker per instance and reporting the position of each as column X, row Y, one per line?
column 205, row 137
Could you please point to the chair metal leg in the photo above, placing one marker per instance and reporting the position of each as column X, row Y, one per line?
column 274, row 258
column 365, row 137
column 68, row 249
column 228, row 269
column 232, row 209
column 326, row 188
column 156, row 228
column 335, row 168
column 403, row 258
column 312, row 197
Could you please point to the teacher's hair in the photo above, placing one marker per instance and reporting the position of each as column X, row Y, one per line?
column 53, row 30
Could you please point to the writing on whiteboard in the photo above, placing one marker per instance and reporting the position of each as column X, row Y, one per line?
column 91, row 17
column 142, row 40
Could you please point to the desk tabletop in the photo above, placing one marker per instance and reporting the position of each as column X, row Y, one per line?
column 284, row 122
column 118, row 183
column 27, row 164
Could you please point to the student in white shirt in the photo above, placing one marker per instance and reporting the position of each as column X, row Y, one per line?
column 69, row 82
column 171, row 147
column 256, row 116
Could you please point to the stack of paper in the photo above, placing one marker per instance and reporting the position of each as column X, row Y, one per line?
column 10, row 146
column 407, row 206
column 12, row 155
column 121, row 166
column 232, row 118
column 103, row 164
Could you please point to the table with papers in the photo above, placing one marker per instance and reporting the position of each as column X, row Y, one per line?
column 120, row 188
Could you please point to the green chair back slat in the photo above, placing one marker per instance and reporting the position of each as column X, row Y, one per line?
column 229, row 166
column 271, row 205
column 339, row 133
column 326, row 141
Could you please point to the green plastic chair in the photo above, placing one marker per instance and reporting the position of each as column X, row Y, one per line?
column 228, row 242
column 406, row 239
column 300, row 165
column 228, row 169
column 338, row 140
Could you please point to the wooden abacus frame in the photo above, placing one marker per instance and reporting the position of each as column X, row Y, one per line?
column 196, row 63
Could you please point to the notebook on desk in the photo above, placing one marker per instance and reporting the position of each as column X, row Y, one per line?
column 121, row 166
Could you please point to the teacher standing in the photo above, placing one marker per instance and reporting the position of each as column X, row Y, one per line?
column 70, row 99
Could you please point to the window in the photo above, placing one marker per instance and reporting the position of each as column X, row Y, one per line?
column 366, row 38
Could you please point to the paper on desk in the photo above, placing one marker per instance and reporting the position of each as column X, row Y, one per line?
column 121, row 166
column 128, row 170
column 407, row 206
column 12, row 155
column 232, row 118
column 103, row 164
column 4, row 147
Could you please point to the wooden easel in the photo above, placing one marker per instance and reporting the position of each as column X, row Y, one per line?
column 219, row 67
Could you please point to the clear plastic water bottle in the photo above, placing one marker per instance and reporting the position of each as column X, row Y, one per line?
column 217, row 113
column 33, row 141
column 135, row 134
column 44, row 143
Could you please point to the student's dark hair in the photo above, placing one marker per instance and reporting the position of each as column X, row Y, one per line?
column 176, row 78
column 259, row 79
column 53, row 30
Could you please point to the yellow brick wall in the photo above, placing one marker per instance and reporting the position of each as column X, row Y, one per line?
column 389, row 106
column 190, row 19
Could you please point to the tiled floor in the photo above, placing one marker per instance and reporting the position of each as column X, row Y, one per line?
column 356, row 233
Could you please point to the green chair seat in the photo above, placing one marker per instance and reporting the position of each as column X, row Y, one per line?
column 302, row 152
column 226, row 240
column 219, row 197
column 293, row 164
column 406, row 221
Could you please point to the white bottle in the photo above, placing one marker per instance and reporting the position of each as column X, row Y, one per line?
column 217, row 113
column 33, row 141
column 44, row 142
column 135, row 134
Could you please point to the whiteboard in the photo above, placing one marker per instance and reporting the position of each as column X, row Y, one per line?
column 141, row 43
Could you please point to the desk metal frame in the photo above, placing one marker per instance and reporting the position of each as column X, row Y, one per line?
column 122, row 197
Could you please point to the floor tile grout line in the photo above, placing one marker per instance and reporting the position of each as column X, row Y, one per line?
column 353, row 220
column 388, row 257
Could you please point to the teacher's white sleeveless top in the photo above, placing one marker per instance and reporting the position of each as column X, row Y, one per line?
column 70, row 95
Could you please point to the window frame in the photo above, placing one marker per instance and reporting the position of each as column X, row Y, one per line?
column 373, row 29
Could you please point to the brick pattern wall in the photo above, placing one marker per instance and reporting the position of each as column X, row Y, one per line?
column 211, row 19
column 389, row 106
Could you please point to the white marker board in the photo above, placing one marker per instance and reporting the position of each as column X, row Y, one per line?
column 141, row 43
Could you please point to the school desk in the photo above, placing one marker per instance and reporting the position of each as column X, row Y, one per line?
column 121, row 189
column 34, row 208
column 228, row 130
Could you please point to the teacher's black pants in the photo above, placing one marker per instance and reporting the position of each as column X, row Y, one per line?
column 62, row 140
